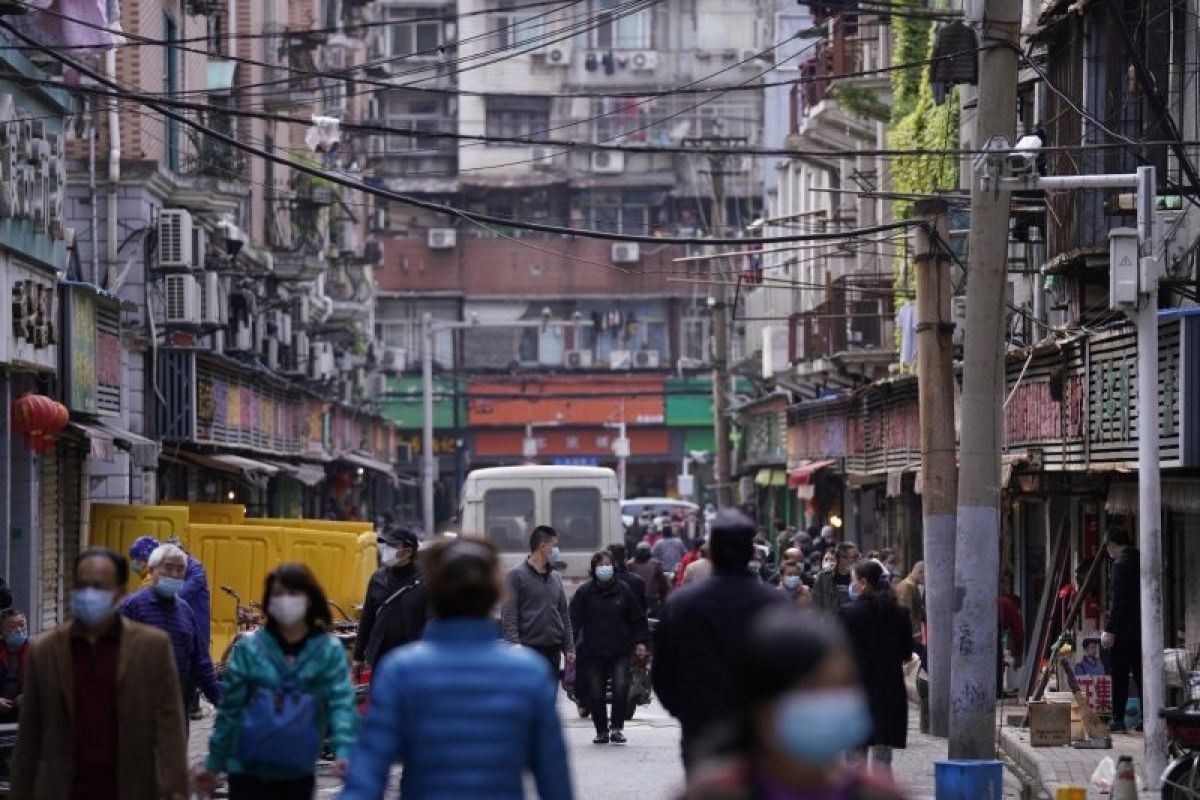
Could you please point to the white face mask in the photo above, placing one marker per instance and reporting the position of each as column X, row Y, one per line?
column 387, row 553
column 288, row 609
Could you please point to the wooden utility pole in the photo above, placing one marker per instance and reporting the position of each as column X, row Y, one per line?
column 939, row 473
column 977, row 537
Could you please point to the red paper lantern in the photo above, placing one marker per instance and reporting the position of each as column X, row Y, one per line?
column 40, row 418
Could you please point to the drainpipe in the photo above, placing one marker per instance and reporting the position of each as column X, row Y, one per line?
column 93, row 132
column 114, row 160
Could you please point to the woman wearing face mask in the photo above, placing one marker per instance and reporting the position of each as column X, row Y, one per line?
column 880, row 634
column 12, row 662
column 610, row 626
column 792, row 584
column 291, row 663
column 802, row 712
column 396, row 605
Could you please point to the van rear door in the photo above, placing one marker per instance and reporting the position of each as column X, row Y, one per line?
column 580, row 509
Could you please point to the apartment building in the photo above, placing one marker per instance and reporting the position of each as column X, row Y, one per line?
column 627, row 327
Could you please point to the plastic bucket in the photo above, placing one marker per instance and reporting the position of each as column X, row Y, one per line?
column 968, row 780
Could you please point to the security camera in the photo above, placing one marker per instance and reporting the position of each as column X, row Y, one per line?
column 1023, row 160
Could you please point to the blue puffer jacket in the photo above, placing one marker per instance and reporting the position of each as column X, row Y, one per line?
column 195, row 592
column 466, row 714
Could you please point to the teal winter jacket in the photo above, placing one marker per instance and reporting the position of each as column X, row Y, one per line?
column 321, row 668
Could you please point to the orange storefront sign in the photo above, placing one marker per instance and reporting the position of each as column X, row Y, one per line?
column 565, row 442
column 571, row 400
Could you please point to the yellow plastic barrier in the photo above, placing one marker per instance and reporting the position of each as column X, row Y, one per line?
column 344, row 580
column 239, row 556
column 213, row 513
column 313, row 524
column 332, row 556
column 118, row 525
column 367, row 563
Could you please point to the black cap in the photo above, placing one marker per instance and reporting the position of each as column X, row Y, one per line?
column 398, row 536
column 731, row 542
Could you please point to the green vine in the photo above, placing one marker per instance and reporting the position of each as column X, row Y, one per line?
column 860, row 102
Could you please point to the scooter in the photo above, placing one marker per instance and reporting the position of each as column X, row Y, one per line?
column 1181, row 778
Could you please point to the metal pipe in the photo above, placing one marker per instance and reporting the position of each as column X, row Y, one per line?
column 428, row 464
column 92, row 133
column 1122, row 180
column 114, row 161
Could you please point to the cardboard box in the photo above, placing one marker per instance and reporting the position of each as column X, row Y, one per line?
column 1050, row 724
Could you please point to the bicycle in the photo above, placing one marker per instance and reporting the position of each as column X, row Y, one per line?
column 1181, row 778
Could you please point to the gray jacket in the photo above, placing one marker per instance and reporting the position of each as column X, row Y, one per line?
column 535, row 611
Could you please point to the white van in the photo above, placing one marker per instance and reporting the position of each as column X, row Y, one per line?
column 583, row 504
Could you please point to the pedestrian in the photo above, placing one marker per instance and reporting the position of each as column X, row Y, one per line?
column 880, row 636
column 160, row 606
column 891, row 565
column 630, row 579
column 195, row 581
column 791, row 584
column 701, row 568
column 637, row 529
column 464, row 713
column 1089, row 664
column 101, row 716
column 909, row 594
column 1011, row 632
column 702, row 630
column 690, row 557
column 396, row 604
column 535, row 611
column 611, row 626
column 669, row 550
column 802, row 711
column 832, row 588
column 13, row 654
column 287, row 686
column 1122, row 635
column 139, row 557
column 650, row 570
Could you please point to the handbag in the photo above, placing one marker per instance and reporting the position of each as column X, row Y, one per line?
column 280, row 729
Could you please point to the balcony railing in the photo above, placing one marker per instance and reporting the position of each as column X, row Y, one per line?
column 857, row 316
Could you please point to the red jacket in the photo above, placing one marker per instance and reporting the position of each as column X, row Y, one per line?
column 1011, row 623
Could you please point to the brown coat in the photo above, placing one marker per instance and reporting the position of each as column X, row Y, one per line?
column 151, row 743
column 908, row 594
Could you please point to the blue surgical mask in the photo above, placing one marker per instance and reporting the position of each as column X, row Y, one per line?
column 16, row 639
column 815, row 727
column 604, row 573
column 168, row 587
column 791, row 582
column 555, row 555
column 92, row 606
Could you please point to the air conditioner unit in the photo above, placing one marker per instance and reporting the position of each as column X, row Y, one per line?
column 646, row 359
column 643, row 61
column 619, row 359
column 175, row 239
column 608, row 162
column 283, row 326
column 442, row 238
column 298, row 360
column 271, row 352
column 626, row 253
column 242, row 339
column 301, row 311
column 320, row 366
column 579, row 359
column 379, row 385
column 199, row 247
column 182, row 294
column 214, row 306
column 557, row 56
column 958, row 315
column 395, row 359
column 541, row 157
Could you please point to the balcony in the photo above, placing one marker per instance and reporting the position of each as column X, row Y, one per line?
column 852, row 329
column 847, row 52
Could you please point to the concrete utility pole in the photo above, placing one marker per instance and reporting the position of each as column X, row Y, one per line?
column 720, row 304
column 977, row 577
column 428, row 459
column 939, row 473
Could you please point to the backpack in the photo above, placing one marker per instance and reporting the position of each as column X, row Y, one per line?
column 280, row 729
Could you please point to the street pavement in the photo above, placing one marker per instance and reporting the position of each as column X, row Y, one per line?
column 648, row 766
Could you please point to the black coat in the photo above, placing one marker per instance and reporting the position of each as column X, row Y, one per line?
column 880, row 635
column 1124, row 596
column 386, row 625
column 608, row 620
column 697, row 644
column 635, row 584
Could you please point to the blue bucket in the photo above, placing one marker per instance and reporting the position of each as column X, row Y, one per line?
column 968, row 780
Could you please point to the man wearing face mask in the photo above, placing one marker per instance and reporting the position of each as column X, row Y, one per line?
column 160, row 605
column 396, row 606
column 831, row 590
column 701, row 633
column 101, row 716
column 12, row 663
column 535, row 612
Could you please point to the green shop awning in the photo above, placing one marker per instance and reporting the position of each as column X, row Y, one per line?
column 700, row 439
column 770, row 477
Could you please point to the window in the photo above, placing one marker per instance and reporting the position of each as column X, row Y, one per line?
column 420, row 35
column 693, row 337
column 517, row 29
column 508, row 518
column 517, row 116
column 617, row 29
column 575, row 514
column 416, row 113
column 635, row 211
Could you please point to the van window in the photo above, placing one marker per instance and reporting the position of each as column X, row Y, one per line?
column 576, row 517
column 508, row 518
